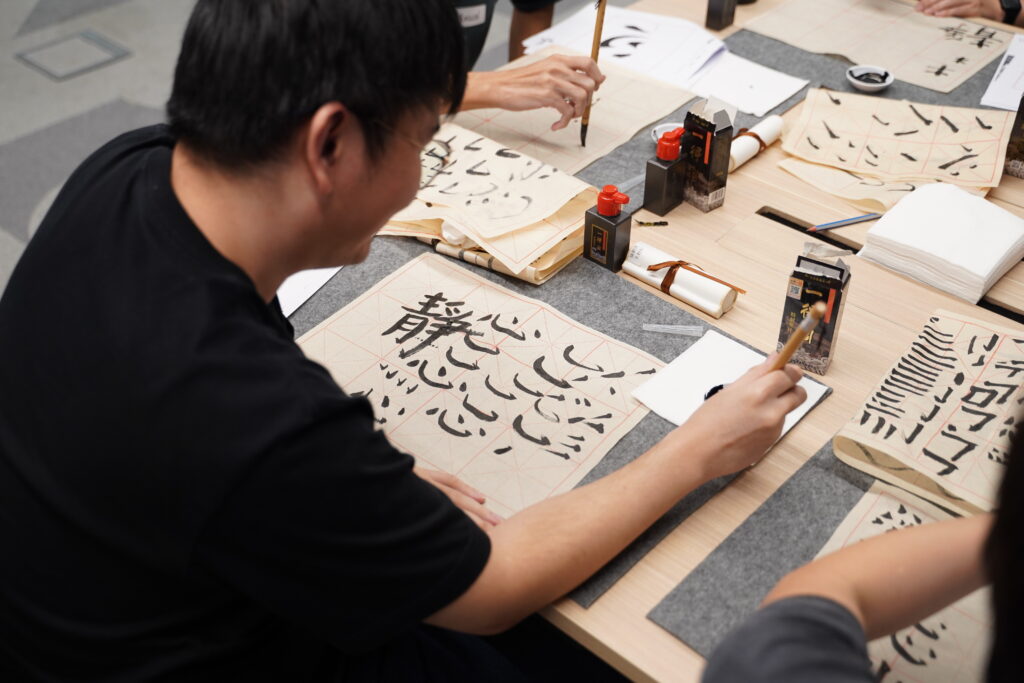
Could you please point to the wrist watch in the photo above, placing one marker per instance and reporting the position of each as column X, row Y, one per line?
column 1011, row 8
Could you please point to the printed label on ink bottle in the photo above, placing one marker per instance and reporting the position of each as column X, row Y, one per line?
column 598, row 244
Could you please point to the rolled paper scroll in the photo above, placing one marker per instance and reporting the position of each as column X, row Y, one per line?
column 700, row 291
column 748, row 143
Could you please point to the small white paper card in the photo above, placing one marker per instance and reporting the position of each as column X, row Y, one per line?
column 676, row 391
column 747, row 85
column 1008, row 83
column 297, row 288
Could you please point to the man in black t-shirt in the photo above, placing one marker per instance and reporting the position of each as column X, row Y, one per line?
column 184, row 495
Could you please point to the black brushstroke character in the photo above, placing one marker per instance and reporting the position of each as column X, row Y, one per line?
column 435, row 324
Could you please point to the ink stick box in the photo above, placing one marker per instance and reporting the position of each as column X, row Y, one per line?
column 705, row 147
column 812, row 281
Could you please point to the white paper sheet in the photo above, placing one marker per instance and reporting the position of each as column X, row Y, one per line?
column 1008, row 83
column 666, row 48
column 675, row 51
column 747, row 85
column 945, row 237
column 294, row 291
column 678, row 389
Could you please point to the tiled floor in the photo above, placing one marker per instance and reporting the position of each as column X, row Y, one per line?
column 75, row 73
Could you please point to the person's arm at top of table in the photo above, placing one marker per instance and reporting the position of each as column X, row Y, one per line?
column 989, row 9
column 544, row 551
column 815, row 623
column 562, row 82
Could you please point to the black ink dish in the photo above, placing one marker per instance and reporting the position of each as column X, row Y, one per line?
column 869, row 78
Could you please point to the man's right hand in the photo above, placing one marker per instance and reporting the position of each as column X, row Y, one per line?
column 741, row 422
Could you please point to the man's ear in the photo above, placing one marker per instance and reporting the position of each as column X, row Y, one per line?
column 323, row 146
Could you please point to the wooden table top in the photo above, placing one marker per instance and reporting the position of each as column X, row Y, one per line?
column 883, row 314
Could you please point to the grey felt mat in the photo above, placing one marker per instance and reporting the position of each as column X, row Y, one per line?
column 787, row 531
column 595, row 297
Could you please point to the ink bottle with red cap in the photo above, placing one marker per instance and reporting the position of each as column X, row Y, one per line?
column 606, row 230
column 666, row 175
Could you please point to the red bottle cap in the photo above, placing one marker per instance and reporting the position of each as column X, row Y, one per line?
column 609, row 201
column 668, row 145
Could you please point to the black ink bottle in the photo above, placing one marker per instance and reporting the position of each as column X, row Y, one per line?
column 720, row 14
column 705, row 147
column 666, row 175
column 606, row 230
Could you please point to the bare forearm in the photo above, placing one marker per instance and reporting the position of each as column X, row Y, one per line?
column 526, row 24
column 894, row 580
column 544, row 551
column 480, row 90
column 541, row 553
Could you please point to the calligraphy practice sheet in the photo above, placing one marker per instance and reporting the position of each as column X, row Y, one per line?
column 932, row 52
column 519, row 250
column 515, row 398
column 484, row 184
column 866, row 192
column 666, row 48
column 900, row 140
column 941, row 420
column 950, row 646
column 673, row 51
column 625, row 103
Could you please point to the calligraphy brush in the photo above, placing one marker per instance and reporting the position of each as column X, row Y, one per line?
column 805, row 327
column 594, row 47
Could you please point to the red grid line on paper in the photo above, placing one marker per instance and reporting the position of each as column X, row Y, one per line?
column 594, row 446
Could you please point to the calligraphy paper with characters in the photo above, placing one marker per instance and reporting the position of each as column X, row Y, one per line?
column 941, row 420
column 901, row 140
column 515, row 398
column 938, row 53
column 950, row 646
column 487, row 186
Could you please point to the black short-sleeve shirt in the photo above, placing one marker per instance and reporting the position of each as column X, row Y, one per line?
column 476, row 16
column 803, row 639
column 183, row 495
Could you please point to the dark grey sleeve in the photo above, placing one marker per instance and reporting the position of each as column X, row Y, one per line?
column 804, row 639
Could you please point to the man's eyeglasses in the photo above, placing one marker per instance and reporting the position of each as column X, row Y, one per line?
column 433, row 158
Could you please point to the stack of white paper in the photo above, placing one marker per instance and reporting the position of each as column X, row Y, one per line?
column 947, row 238
column 675, row 51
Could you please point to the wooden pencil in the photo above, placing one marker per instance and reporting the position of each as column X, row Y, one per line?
column 594, row 49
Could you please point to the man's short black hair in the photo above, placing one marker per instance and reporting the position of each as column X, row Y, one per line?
column 251, row 72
